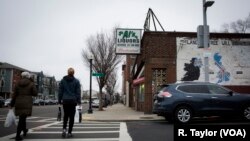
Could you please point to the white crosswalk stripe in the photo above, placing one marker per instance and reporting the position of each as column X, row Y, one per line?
column 33, row 119
column 86, row 131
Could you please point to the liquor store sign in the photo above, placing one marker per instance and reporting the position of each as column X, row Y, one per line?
column 128, row 41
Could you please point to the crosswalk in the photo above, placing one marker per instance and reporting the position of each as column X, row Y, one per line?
column 85, row 131
column 33, row 119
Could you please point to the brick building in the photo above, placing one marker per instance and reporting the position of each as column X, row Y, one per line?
column 167, row 57
column 9, row 76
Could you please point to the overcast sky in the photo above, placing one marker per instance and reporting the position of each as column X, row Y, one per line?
column 49, row 35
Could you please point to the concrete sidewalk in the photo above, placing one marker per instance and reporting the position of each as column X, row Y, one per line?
column 118, row 112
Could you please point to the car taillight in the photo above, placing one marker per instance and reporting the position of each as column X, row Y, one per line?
column 165, row 94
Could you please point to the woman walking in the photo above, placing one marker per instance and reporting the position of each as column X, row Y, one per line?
column 22, row 101
column 69, row 95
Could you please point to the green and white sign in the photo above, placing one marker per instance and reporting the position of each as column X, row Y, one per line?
column 128, row 41
column 98, row 74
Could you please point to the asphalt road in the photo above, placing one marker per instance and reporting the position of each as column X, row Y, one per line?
column 137, row 130
column 150, row 130
column 38, row 111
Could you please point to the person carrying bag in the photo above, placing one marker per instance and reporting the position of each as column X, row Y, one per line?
column 22, row 100
column 69, row 96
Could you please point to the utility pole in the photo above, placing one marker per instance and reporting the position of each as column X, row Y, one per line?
column 206, row 37
column 90, row 111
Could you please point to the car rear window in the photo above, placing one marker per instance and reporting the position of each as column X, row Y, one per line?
column 193, row 88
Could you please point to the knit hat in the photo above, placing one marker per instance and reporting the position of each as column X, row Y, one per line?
column 25, row 74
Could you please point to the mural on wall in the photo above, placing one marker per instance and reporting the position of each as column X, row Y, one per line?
column 222, row 74
column 192, row 70
column 228, row 61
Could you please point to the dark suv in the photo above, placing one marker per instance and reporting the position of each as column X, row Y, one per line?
column 181, row 102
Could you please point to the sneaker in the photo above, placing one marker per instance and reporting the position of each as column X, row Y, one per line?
column 64, row 133
column 25, row 132
column 18, row 138
column 69, row 135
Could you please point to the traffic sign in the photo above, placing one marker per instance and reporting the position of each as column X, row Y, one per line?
column 98, row 74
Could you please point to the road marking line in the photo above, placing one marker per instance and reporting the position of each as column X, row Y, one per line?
column 86, row 127
column 75, row 132
column 124, row 135
column 44, row 126
column 72, row 139
column 84, row 124
column 45, row 120
column 9, row 137
column 32, row 117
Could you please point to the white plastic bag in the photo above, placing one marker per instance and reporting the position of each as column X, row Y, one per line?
column 10, row 119
column 78, row 114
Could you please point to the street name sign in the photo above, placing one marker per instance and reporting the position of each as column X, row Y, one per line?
column 98, row 74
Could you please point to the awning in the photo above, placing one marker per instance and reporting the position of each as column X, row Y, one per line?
column 138, row 81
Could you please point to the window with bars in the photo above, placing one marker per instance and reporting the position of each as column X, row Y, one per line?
column 159, row 78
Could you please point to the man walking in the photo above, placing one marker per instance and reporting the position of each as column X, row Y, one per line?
column 69, row 95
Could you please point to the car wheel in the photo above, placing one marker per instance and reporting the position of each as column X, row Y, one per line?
column 183, row 114
column 246, row 113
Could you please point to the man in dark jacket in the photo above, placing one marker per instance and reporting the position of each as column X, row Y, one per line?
column 69, row 95
column 22, row 101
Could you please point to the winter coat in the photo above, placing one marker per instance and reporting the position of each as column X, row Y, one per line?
column 69, row 91
column 22, row 97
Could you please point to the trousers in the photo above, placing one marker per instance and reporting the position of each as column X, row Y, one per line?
column 69, row 114
column 21, row 125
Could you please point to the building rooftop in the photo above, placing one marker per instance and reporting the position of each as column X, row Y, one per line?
column 10, row 66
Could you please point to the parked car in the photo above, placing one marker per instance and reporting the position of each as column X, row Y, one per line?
column 95, row 103
column 50, row 102
column 39, row 102
column 7, row 102
column 181, row 102
column 84, row 101
column 55, row 101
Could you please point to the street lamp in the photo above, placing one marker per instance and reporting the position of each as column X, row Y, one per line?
column 90, row 111
column 206, row 36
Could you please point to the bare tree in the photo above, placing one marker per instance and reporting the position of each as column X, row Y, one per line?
column 102, row 47
column 111, row 85
column 239, row 26
column 225, row 28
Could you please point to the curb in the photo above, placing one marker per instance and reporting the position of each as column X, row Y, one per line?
column 143, row 118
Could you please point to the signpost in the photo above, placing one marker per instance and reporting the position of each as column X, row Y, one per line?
column 98, row 74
